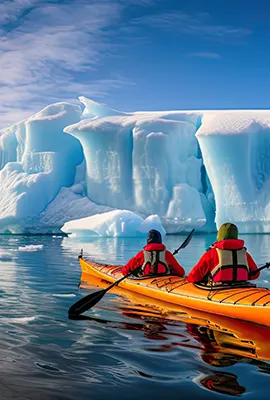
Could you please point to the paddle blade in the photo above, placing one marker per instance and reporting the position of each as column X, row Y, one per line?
column 188, row 239
column 185, row 243
column 86, row 303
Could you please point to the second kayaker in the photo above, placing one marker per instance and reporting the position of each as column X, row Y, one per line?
column 227, row 260
column 154, row 259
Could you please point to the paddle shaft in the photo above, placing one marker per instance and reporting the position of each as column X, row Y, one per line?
column 267, row 265
column 185, row 243
column 121, row 279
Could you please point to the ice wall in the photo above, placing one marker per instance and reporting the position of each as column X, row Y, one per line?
column 37, row 158
column 149, row 163
column 236, row 152
column 187, row 167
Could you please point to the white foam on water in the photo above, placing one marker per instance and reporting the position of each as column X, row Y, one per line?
column 20, row 320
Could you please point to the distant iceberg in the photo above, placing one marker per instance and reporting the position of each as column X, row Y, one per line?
column 189, row 169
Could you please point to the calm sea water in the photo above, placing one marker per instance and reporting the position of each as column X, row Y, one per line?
column 119, row 352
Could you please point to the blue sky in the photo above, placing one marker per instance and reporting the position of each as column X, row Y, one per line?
column 133, row 54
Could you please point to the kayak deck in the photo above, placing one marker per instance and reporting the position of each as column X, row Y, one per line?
column 246, row 303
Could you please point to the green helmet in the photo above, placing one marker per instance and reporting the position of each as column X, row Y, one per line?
column 227, row 231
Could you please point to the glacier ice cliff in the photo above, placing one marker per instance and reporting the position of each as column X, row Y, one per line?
column 37, row 158
column 190, row 168
column 236, row 152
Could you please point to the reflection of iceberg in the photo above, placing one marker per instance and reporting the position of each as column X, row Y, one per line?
column 8, row 270
column 5, row 255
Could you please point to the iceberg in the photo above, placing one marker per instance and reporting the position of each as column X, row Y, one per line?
column 148, row 163
column 236, row 151
column 120, row 173
column 115, row 223
column 37, row 159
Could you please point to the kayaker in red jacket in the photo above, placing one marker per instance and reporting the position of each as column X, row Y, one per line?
column 154, row 259
column 227, row 261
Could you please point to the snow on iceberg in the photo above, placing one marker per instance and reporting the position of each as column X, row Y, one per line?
column 97, row 110
column 115, row 223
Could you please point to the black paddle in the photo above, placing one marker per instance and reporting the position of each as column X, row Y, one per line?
column 267, row 265
column 91, row 299
column 185, row 243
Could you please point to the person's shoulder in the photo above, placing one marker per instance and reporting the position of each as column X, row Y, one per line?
column 210, row 252
column 169, row 252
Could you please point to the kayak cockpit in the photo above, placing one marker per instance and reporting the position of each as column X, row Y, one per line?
column 224, row 286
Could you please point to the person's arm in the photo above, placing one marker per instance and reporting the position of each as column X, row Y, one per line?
column 177, row 269
column 133, row 263
column 253, row 267
column 202, row 268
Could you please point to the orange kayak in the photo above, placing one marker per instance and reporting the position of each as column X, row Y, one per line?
column 244, row 303
column 226, row 336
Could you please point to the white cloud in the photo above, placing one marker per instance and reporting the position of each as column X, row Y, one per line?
column 51, row 51
column 198, row 24
column 206, row 54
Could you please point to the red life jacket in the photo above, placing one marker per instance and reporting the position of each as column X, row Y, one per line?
column 154, row 260
column 232, row 266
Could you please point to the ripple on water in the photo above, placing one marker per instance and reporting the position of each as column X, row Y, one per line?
column 118, row 350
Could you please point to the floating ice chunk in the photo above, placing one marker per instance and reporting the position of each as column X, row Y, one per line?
column 19, row 320
column 31, row 247
column 113, row 223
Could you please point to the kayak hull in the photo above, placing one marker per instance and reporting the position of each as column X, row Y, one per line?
column 231, row 336
column 249, row 304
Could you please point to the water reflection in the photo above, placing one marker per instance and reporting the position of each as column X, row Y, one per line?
column 221, row 342
column 130, row 344
column 220, row 348
column 222, row 382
